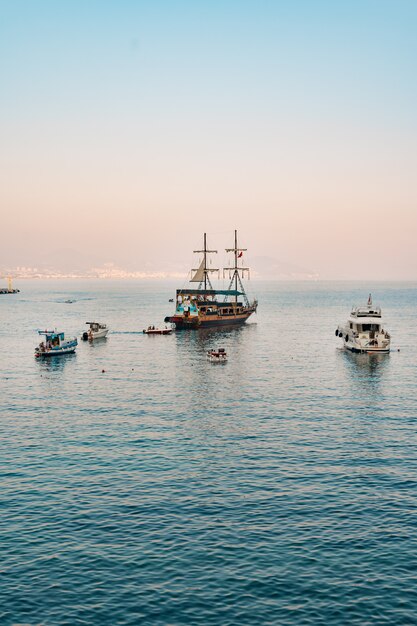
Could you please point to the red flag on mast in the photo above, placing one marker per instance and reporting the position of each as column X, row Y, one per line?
column 239, row 255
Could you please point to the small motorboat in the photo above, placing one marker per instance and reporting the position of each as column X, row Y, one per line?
column 364, row 331
column 96, row 331
column 55, row 344
column 217, row 356
column 151, row 330
column 69, row 301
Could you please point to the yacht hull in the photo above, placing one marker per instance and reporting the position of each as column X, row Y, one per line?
column 367, row 350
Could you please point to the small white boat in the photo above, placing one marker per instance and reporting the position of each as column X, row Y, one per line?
column 96, row 331
column 151, row 330
column 364, row 331
column 217, row 356
column 55, row 344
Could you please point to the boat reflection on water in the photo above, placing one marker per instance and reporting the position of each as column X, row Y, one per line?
column 192, row 349
column 369, row 363
column 56, row 365
column 221, row 386
column 96, row 345
column 203, row 339
column 366, row 368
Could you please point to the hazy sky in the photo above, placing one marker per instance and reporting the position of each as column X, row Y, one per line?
column 130, row 127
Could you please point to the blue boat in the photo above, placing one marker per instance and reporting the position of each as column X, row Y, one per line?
column 55, row 344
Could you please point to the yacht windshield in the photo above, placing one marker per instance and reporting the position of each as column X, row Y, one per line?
column 368, row 327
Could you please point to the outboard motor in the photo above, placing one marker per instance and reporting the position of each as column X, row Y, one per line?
column 85, row 336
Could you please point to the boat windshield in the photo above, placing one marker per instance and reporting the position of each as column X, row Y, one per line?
column 366, row 312
column 365, row 328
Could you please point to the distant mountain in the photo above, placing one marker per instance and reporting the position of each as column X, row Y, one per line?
column 270, row 268
column 67, row 259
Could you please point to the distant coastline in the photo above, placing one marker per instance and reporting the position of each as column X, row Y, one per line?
column 110, row 271
column 141, row 276
column 120, row 275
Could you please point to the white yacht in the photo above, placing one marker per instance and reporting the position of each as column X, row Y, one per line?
column 364, row 331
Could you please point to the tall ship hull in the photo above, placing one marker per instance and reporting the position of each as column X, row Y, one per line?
column 207, row 307
column 219, row 315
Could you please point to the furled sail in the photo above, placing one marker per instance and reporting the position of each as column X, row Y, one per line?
column 199, row 274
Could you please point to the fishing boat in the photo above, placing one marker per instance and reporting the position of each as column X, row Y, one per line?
column 55, row 344
column 364, row 331
column 96, row 331
column 208, row 306
column 217, row 356
column 151, row 330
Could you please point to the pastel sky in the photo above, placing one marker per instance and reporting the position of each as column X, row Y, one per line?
column 128, row 128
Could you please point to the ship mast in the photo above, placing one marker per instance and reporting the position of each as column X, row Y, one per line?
column 234, row 271
column 202, row 272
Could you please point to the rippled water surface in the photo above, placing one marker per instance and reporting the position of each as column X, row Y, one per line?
column 279, row 488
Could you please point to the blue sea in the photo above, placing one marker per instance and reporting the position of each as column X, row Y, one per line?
column 277, row 489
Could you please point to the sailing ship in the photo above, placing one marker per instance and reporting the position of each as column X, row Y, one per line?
column 207, row 306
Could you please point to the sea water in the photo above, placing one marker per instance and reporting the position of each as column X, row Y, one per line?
column 141, row 484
